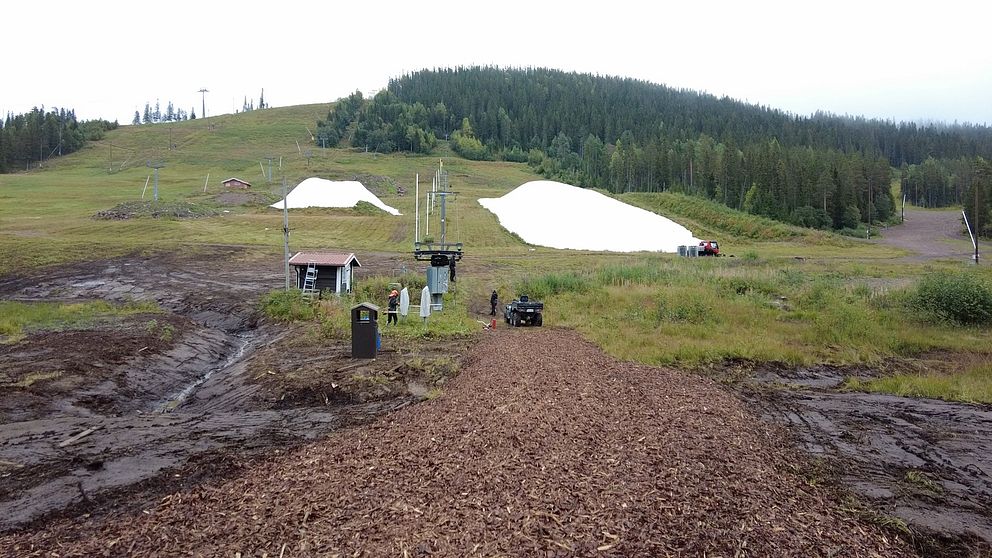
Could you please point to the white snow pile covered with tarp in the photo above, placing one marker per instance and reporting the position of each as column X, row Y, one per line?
column 319, row 192
column 556, row 215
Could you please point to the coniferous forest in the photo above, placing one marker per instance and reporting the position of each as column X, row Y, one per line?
column 28, row 139
column 626, row 135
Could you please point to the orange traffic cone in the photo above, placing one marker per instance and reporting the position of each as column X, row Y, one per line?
column 493, row 325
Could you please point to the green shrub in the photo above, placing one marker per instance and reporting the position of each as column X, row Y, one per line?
column 746, row 285
column 287, row 306
column 960, row 298
column 622, row 275
column 553, row 284
column 689, row 311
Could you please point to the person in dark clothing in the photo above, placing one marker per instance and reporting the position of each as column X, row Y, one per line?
column 493, row 301
column 394, row 302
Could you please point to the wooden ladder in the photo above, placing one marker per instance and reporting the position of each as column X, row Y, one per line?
column 310, row 281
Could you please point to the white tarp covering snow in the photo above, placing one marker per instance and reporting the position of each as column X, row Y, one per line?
column 318, row 192
column 556, row 215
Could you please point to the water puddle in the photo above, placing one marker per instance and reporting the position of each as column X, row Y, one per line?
column 174, row 401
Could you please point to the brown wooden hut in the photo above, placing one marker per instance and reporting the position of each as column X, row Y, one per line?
column 334, row 270
column 236, row 183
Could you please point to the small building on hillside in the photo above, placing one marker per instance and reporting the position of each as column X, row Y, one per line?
column 334, row 270
column 236, row 183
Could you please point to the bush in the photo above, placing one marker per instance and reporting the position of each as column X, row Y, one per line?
column 850, row 218
column 469, row 147
column 807, row 216
column 515, row 155
column 553, row 284
column 960, row 298
column 288, row 306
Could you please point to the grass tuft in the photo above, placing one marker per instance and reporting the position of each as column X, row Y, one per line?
column 970, row 386
column 16, row 318
column 959, row 298
column 288, row 306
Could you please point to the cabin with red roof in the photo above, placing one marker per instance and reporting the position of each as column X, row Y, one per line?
column 334, row 270
column 236, row 183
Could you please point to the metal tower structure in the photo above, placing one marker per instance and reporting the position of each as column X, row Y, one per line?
column 203, row 100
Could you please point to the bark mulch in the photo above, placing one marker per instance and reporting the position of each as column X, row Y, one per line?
column 542, row 446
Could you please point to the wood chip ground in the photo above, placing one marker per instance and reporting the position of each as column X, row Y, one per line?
column 542, row 446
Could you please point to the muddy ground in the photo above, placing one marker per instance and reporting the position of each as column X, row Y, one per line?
column 114, row 417
column 580, row 456
column 926, row 462
column 98, row 418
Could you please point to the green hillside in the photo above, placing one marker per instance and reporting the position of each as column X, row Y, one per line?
column 812, row 296
column 48, row 215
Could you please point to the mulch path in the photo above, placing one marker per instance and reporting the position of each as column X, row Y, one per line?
column 542, row 446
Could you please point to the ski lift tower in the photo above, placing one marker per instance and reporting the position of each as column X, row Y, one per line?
column 155, row 165
column 441, row 254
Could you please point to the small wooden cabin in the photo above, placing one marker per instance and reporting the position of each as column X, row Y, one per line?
column 236, row 183
column 334, row 270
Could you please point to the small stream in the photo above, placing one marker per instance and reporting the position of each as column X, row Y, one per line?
column 172, row 402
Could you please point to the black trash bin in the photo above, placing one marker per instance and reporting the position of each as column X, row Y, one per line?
column 364, row 330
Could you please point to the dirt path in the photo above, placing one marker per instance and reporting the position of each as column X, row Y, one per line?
column 927, row 462
column 541, row 446
column 930, row 235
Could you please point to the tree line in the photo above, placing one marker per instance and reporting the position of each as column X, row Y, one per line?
column 154, row 115
column 627, row 135
column 944, row 182
column 529, row 107
column 38, row 135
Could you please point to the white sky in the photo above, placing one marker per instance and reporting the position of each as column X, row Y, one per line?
column 904, row 60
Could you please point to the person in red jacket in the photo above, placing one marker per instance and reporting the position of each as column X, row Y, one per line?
column 392, row 311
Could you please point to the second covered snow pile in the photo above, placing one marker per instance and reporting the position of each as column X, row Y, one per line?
column 556, row 215
column 319, row 192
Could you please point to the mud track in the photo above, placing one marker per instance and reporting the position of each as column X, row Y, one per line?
column 146, row 409
column 924, row 461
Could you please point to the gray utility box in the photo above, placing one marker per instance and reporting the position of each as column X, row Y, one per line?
column 690, row 251
column 364, row 330
column 437, row 279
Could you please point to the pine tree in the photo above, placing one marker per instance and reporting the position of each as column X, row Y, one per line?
column 976, row 199
column 137, row 119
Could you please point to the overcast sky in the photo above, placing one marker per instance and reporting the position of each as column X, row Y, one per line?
column 903, row 60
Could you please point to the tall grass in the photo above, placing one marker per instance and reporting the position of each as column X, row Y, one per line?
column 692, row 311
column 971, row 386
column 712, row 217
column 288, row 306
column 330, row 316
column 17, row 318
column 961, row 298
column 553, row 284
